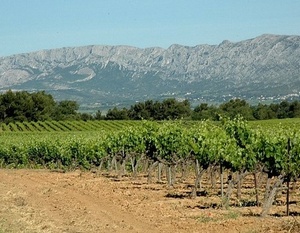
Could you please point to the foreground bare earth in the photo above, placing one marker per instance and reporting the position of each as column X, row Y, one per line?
column 45, row 201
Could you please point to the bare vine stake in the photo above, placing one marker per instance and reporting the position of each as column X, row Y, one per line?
column 256, row 188
column 169, row 173
column 222, row 185
column 288, row 179
column 159, row 172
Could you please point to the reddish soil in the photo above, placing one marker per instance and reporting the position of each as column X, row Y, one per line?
column 44, row 201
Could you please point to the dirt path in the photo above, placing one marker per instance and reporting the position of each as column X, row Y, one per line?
column 43, row 201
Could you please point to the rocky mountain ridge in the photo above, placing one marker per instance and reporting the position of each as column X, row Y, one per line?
column 266, row 67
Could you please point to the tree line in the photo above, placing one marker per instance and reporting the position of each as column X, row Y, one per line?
column 171, row 109
column 40, row 106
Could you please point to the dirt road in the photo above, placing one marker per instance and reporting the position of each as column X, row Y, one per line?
column 44, row 201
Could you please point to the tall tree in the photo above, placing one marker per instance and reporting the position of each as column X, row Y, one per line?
column 116, row 114
column 204, row 111
column 66, row 109
column 43, row 106
column 237, row 107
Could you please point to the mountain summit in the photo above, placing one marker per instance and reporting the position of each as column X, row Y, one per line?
column 266, row 67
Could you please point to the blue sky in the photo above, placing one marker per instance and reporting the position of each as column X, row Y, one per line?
column 31, row 25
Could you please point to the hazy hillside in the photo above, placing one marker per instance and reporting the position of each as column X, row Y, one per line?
column 267, row 66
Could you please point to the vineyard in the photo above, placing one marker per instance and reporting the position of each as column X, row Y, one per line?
column 65, row 126
column 227, row 154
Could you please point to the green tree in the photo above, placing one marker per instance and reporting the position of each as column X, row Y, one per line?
column 204, row 111
column 237, row 107
column 273, row 111
column 8, row 106
column 139, row 111
column 99, row 116
column 283, row 110
column 294, row 109
column 86, row 116
column 66, row 109
column 116, row 114
column 24, row 106
column 261, row 112
column 173, row 109
column 43, row 106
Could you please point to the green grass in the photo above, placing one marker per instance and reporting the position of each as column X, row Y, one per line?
column 288, row 122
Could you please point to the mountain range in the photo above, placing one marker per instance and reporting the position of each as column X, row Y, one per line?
column 263, row 68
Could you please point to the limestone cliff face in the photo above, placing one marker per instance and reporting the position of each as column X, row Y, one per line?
column 268, row 66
